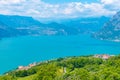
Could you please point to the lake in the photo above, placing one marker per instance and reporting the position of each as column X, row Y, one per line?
column 24, row 50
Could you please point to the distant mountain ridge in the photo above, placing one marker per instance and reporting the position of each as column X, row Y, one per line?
column 6, row 31
column 110, row 30
column 86, row 25
column 10, row 25
column 19, row 21
column 13, row 25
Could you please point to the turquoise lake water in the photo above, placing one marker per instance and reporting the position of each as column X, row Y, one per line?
column 24, row 50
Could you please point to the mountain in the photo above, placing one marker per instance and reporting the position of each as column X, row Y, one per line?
column 97, row 67
column 6, row 31
column 78, row 26
column 19, row 21
column 21, row 25
column 62, row 29
column 24, row 25
column 16, row 25
column 86, row 25
column 110, row 30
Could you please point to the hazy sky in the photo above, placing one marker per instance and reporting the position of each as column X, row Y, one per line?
column 59, row 8
column 67, row 1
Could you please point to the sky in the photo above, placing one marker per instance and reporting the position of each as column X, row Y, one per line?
column 67, row 1
column 59, row 8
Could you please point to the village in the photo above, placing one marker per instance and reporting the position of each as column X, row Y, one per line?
column 20, row 68
column 102, row 56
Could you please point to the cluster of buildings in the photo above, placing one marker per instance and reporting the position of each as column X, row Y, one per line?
column 26, row 67
column 20, row 68
column 103, row 56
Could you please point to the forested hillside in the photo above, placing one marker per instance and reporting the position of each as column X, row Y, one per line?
column 71, row 68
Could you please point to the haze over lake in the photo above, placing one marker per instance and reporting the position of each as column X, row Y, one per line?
column 24, row 50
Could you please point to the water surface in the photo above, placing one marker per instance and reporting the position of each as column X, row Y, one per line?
column 24, row 50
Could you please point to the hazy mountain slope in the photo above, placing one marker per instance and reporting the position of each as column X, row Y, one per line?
column 86, row 24
column 17, row 25
column 77, row 26
column 21, row 25
column 19, row 21
column 111, row 29
column 6, row 31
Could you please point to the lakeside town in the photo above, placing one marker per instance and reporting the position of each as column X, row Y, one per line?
column 102, row 56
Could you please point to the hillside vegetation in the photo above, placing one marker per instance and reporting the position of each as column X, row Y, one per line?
column 71, row 68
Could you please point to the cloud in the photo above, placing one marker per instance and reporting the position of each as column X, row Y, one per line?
column 40, row 9
column 111, row 4
column 110, row 1
column 11, row 1
column 107, row 1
